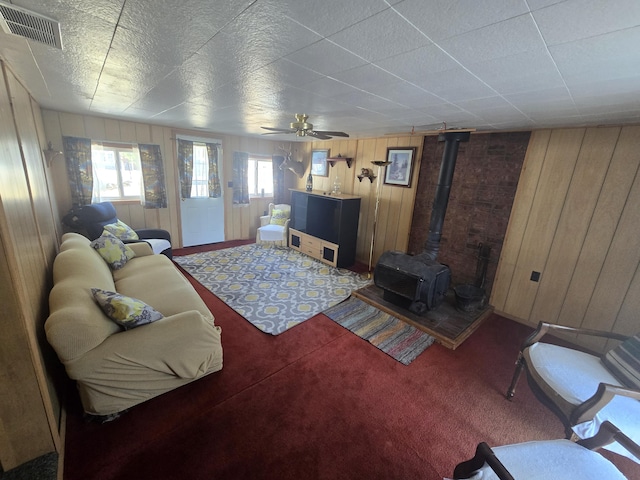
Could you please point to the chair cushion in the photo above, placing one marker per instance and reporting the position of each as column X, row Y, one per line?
column 112, row 250
column 624, row 361
column 121, row 230
column 279, row 217
column 272, row 233
column 126, row 311
column 544, row 460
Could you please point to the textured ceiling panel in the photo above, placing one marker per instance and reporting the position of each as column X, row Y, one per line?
column 367, row 67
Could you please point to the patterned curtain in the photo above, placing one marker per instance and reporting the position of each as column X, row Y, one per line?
column 155, row 193
column 185, row 167
column 215, row 190
column 77, row 153
column 240, row 178
column 279, row 193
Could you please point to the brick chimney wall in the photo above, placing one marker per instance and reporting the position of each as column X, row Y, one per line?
column 482, row 193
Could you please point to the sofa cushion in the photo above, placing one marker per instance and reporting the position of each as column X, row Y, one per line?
column 111, row 248
column 157, row 281
column 128, row 312
column 624, row 361
column 121, row 230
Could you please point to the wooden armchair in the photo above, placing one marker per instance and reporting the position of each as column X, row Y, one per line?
column 548, row 459
column 584, row 390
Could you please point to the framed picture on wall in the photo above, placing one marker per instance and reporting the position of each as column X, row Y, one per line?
column 319, row 165
column 400, row 168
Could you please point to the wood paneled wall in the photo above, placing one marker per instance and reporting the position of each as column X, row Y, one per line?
column 30, row 411
column 395, row 203
column 575, row 219
column 241, row 222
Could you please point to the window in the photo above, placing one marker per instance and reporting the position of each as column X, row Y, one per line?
column 260, row 176
column 200, row 179
column 117, row 174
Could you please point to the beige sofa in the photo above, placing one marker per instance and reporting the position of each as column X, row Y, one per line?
column 116, row 369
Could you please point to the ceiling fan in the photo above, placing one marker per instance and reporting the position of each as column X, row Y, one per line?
column 303, row 129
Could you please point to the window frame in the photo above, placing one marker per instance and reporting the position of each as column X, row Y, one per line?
column 257, row 158
column 117, row 148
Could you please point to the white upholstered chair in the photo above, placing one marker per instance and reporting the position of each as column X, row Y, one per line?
column 547, row 459
column 274, row 227
column 585, row 390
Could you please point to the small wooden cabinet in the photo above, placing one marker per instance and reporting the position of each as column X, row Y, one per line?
column 325, row 227
column 326, row 252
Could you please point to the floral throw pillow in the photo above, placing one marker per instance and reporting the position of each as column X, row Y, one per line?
column 278, row 217
column 114, row 252
column 126, row 311
column 121, row 230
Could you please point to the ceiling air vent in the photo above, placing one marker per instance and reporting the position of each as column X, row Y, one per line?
column 34, row 26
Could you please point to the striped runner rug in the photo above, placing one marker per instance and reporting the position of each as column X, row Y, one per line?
column 394, row 337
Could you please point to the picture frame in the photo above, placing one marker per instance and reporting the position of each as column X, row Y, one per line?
column 319, row 165
column 400, row 169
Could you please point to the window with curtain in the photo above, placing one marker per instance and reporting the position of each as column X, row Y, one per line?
column 260, row 173
column 117, row 172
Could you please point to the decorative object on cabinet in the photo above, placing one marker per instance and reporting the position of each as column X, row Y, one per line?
column 332, row 160
column 325, row 227
column 379, row 164
column 400, row 167
column 319, row 163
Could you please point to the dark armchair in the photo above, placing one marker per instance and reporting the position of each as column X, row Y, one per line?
column 94, row 217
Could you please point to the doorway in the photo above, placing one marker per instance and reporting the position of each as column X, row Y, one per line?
column 202, row 216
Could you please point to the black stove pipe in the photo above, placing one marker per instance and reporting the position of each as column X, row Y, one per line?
column 445, row 178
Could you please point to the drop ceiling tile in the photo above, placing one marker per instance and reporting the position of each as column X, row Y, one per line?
column 441, row 19
column 405, row 93
column 366, row 77
column 76, row 11
column 528, row 71
column 327, row 87
column 326, row 57
column 455, row 85
column 383, row 35
column 599, row 58
column 538, row 4
column 577, row 19
column 283, row 72
column 412, row 66
column 510, row 37
column 328, row 16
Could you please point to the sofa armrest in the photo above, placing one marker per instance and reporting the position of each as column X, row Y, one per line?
column 140, row 248
column 185, row 345
column 153, row 233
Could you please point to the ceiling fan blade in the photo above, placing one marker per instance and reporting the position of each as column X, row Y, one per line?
column 333, row 134
column 277, row 133
column 279, row 130
column 320, row 135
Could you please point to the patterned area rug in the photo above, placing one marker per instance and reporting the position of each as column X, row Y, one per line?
column 273, row 288
column 394, row 337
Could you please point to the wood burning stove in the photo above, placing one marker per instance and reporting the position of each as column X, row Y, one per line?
column 418, row 282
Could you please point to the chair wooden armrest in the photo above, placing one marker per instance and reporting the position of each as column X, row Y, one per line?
column 609, row 433
column 544, row 328
column 605, row 393
column 484, row 454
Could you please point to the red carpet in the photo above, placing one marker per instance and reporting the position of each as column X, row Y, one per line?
column 318, row 402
